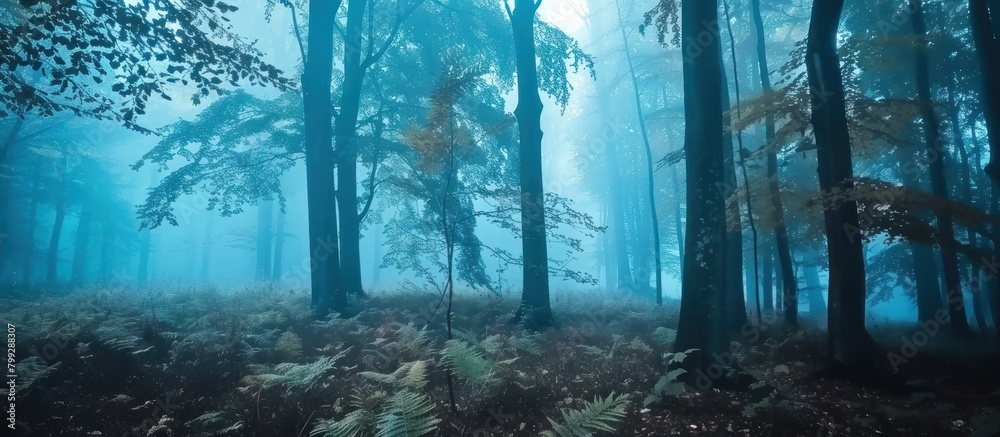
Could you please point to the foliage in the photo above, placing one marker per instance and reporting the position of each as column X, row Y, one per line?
column 58, row 54
column 293, row 376
column 235, row 152
column 669, row 384
column 404, row 413
column 601, row 415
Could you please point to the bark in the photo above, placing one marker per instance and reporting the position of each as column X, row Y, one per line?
column 318, row 110
column 939, row 186
column 851, row 347
column 535, row 308
column 703, row 315
column 345, row 135
column 265, row 212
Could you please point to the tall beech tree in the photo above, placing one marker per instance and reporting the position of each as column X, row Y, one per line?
column 535, row 309
column 703, row 285
column 851, row 347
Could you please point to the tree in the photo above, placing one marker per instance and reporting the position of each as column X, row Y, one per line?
column 702, row 323
column 851, row 347
column 789, row 283
column 649, row 158
column 937, row 155
column 535, row 309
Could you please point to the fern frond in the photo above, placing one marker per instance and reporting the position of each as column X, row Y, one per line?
column 599, row 415
column 409, row 375
column 466, row 361
column 408, row 415
column 357, row 423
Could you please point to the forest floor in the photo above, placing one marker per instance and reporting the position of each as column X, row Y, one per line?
column 198, row 362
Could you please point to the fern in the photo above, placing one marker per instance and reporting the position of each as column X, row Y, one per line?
column 597, row 416
column 407, row 414
column 467, row 361
column 410, row 375
column 296, row 376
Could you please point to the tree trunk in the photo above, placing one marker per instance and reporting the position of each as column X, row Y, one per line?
column 265, row 213
column 939, row 186
column 768, row 280
column 649, row 161
column 105, row 269
column 735, row 303
column 318, row 110
column 851, row 347
column 988, row 55
column 144, row 243
column 5, row 190
column 817, row 303
column 279, row 247
column 535, row 309
column 29, row 253
column 703, row 318
column 53, row 255
column 206, row 252
column 345, row 135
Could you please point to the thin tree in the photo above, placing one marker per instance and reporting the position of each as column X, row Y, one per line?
column 649, row 156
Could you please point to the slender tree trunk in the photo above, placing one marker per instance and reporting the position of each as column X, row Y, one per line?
column 768, row 286
column 735, row 304
column 318, row 108
column 29, row 235
column 617, row 213
column 535, row 308
column 988, row 55
column 5, row 190
column 704, row 299
column 105, row 269
column 265, row 214
column 939, row 186
column 60, row 207
column 789, row 290
column 851, row 347
column 649, row 160
column 144, row 243
column 279, row 247
column 345, row 135
column 206, row 252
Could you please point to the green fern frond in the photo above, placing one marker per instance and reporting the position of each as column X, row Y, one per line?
column 599, row 415
column 296, row 376
column 357, row 423
column 408, row 414
column 409, row 375
column 467, row 361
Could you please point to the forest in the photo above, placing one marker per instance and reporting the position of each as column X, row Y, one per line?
column 555, row 218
